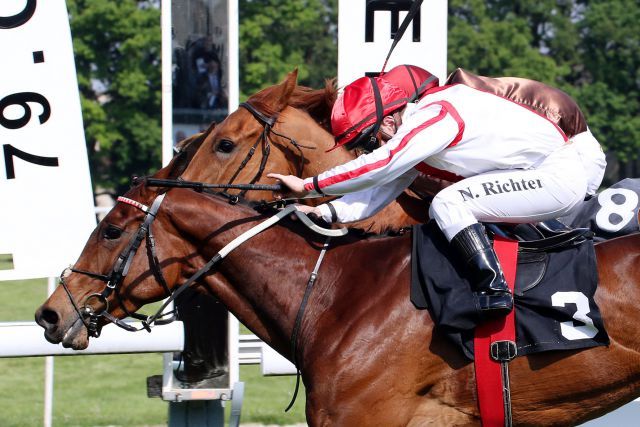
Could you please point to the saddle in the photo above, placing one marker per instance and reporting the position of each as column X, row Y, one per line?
column 559, row 265
column 534, row 242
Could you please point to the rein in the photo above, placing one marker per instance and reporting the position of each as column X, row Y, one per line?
column 123, row 263
column 201, row 186
column 118, row 273
column 268, row 123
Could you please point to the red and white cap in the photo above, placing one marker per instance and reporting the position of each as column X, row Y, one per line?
column 359, row 110
column 414, row 80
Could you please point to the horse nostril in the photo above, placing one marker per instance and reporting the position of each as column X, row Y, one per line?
column 49, row 316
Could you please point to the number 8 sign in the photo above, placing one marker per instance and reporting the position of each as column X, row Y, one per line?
column 45, row 187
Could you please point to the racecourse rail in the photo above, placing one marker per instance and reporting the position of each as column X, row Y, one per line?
column 27, row 340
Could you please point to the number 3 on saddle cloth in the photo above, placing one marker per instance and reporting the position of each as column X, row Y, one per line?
column 555, row 308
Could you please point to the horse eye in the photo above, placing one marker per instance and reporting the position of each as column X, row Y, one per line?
column 225, row 146
column 112, row 232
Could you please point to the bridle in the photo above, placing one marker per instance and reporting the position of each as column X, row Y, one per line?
column 123, row 262
column 118, row 273
column 264, row 139
column 88, row 315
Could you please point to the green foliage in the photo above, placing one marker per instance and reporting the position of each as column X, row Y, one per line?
column 494, row 44
column 277, row 36
column 117, row 51
column 610, row 50
column 589, row 49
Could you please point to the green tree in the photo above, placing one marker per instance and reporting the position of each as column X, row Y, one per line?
column 590, row 49
column 117, row 52
column 277, row 36
column 500, row 38
column 609, row 80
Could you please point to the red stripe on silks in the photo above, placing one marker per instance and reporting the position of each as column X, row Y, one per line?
column 488, row 373
column 380, row 163
column 438, row 173
column 456, row 116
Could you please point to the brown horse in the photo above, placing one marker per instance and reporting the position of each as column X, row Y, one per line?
column 367, row 356
column 297, row 145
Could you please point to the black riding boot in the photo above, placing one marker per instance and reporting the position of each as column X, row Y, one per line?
column 490, row 286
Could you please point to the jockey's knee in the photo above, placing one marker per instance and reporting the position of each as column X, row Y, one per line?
column 450, row 214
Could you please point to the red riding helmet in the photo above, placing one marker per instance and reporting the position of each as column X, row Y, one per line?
column 415, row 80
column 359, row 110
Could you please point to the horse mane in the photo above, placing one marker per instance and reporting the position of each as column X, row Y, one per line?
column 318, row 103
column 315, row 102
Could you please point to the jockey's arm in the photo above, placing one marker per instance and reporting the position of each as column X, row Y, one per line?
column 422, row 134
column 363, row 204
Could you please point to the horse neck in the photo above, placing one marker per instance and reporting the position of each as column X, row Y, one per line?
column 256, row 281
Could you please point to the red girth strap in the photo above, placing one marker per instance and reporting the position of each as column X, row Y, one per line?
column 489, row 384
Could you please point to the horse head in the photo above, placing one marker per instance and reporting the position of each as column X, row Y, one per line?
column 98, row 283
column 283, row 127
column 62, row 315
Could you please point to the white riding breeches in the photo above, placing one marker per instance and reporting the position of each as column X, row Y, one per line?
column 549, row 190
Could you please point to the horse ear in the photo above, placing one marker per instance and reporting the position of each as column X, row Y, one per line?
column 285, row 90
column 274, row 99
column 291, row 80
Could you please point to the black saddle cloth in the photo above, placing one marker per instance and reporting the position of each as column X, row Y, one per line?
column 555, row 308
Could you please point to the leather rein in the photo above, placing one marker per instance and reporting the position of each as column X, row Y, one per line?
column 90, row 317
column 264, row 139
column 87, row 314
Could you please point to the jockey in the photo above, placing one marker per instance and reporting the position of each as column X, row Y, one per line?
column 507, row 164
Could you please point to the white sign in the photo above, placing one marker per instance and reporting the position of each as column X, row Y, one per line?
column 365, row 30
column 46, row 205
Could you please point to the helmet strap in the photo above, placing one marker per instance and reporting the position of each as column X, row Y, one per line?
column 379, row 110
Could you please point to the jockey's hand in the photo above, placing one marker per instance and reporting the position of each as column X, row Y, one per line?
column 294, row 184
column 314, row 214
column 313, row 210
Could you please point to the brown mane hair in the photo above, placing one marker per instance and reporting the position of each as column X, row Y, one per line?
column 316, row 102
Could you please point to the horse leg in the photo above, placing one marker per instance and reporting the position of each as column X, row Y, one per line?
column 354, row 409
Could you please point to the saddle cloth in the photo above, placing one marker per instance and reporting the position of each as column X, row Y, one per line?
column 613, row 212
column 555, row 308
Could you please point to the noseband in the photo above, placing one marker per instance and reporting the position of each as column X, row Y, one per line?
column 268, row 123
column 118, row 273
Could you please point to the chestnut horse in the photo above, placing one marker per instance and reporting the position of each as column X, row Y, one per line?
column 297, row 144
column 367, row 356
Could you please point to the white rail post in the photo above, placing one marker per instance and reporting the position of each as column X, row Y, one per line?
column 48, row 371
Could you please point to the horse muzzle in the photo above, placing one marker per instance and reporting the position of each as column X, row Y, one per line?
column 71, row 333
